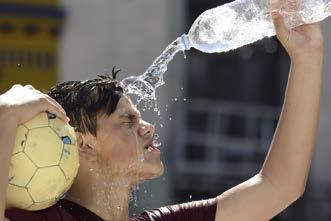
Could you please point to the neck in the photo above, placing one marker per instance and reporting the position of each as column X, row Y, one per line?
column 107, row 198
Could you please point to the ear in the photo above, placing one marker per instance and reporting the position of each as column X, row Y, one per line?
column 86, row 150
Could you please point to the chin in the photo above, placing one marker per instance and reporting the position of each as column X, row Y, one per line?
column 153, row 171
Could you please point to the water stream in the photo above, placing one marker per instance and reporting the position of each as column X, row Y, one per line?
column 144, row 86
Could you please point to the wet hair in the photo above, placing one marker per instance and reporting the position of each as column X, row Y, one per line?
column 83, row 101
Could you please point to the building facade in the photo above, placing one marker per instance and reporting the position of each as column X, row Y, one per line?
column 29, row 35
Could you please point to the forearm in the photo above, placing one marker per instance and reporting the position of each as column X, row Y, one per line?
column 288, row 162
column 7, row 139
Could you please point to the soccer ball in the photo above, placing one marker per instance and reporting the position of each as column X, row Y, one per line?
column 44, row 163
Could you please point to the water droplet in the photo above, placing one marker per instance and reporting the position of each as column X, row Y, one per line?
column 190, row 196
column 184, row 99
column 141, row 157
column 158, row 144
column 184, row 55
column 135, row 199
column 161, row 125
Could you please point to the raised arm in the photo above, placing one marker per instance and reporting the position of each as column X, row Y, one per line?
column 17, row 106
column 283, row 177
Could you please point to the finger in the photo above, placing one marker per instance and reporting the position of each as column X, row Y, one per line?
column 53, row 107
column 275, row 5
column 62, row 113
column 54, row 102
column 29, row 86
column 16, row 86
column 283, row 33
column 55, row 110
column 50, row 99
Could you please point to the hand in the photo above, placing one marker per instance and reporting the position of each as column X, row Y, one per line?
column 300, row 42
column 303, row 41
column 20, row 104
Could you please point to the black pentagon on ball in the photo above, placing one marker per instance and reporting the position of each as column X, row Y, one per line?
column 50, row 115
column 66, row 140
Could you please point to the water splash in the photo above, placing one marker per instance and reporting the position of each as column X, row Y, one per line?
column 221, row 29
column 156, row 141
column 144, row 86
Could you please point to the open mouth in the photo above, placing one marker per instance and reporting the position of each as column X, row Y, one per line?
column 153, row 145
column 150, row 147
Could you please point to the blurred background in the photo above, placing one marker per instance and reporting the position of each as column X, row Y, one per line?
column 218, row 111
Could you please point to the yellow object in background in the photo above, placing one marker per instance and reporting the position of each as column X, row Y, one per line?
column 29, row 42
column 44, row 163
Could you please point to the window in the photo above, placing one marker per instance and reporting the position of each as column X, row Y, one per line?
column 31, row 29
column 6, row 28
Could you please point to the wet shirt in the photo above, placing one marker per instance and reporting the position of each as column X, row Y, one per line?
column 66, row 210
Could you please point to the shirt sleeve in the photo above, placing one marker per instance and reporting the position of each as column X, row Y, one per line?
column 204, row 210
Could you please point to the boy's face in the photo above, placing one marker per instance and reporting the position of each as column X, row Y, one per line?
column 122, row 143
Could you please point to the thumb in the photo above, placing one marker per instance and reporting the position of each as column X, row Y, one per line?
column 282, row 31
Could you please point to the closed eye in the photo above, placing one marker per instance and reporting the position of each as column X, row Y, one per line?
column 130, row 123
column 130, row 118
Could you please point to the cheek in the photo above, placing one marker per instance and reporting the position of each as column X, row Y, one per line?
column 119, row 148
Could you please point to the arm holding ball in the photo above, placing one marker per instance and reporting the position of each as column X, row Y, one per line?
column 17, row 106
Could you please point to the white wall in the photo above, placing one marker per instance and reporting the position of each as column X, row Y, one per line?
column 103, row 33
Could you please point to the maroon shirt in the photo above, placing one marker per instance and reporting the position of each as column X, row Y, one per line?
column 66, row 210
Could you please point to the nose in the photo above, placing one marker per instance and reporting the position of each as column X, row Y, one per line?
column 146, row 129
